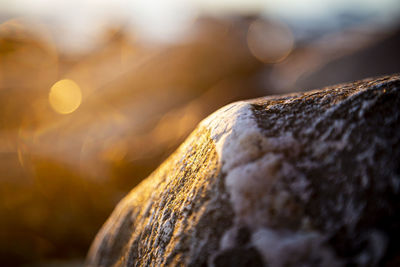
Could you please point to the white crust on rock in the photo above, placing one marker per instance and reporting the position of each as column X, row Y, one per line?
column 252, row 165
column 230, row 128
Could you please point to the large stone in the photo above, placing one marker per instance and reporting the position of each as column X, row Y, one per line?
column 308, row 179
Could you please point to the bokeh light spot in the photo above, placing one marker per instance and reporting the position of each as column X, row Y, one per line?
column 269, row 41
column 65, row 96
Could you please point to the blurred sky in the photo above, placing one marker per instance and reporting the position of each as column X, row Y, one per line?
column 164, row 20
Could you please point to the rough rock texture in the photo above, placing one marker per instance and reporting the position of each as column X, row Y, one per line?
column 308, row 179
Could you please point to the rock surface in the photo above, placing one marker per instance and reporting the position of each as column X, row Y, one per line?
column 308, row 179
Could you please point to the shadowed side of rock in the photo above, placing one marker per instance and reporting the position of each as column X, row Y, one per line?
column 308, row 179
column 343, row 175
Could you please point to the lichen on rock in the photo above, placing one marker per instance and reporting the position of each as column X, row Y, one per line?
column 307, row 179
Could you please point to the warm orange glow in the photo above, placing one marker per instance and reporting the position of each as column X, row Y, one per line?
column 65, row 96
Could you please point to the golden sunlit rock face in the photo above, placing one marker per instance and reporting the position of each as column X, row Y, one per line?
column 178, row 207
column 65, row 96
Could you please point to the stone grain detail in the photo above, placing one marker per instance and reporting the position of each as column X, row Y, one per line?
column 307, row 179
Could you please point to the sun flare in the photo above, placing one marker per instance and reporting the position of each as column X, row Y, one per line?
column 65, row 96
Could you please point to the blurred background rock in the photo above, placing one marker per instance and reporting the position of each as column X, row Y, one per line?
column 144, row 75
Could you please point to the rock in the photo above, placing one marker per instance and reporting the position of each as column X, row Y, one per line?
column 307, row 179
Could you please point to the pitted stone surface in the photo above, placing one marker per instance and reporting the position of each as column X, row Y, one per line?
column 308, row 179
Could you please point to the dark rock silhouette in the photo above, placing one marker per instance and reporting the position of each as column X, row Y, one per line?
column 307, row 179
